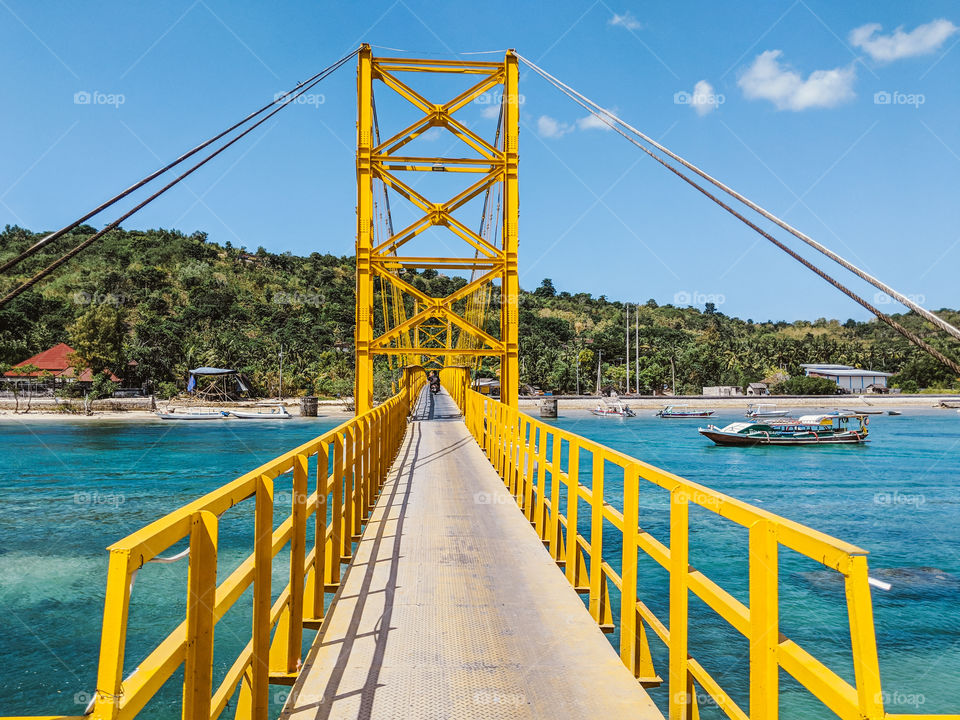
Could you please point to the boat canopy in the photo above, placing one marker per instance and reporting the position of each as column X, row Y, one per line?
column 212, row 371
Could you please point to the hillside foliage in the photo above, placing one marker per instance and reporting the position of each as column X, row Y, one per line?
column 172, row 302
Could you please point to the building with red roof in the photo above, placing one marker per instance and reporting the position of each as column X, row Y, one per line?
column 54, row 363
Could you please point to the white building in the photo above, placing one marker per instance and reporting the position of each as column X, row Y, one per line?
column 722, row 391
column 849, row 379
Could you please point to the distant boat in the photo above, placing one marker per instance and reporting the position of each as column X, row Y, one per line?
column 763, row 410
column 681, row 411
column 277, row 413
column 894, row 412
column 827, row 429
column 192, row 415
column 613, row 407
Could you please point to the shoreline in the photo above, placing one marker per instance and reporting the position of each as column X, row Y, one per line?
column 851, row 402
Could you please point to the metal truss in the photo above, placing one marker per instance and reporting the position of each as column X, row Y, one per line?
column 427, row 337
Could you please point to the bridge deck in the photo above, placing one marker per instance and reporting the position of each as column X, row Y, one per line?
column 453, row 608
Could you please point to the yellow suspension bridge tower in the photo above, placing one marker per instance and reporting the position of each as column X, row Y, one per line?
column 450, row 330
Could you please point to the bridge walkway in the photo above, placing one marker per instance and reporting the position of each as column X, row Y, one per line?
column 452, row 607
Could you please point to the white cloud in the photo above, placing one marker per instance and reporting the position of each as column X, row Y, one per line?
column 627, row 20
column 922, row 40
column 432, row 134
column 704, row 100
column 491, row 111
column 767, row 79
column 548, row 127
column 592, row 122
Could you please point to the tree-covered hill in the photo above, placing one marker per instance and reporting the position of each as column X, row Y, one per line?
column 172, row 302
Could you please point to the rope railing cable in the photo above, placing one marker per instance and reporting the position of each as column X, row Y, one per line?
column 908, row 334
column 43, row 242
column 93, row 238
column 601, row 112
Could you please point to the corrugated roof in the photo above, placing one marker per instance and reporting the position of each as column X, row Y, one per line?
column 55, row 361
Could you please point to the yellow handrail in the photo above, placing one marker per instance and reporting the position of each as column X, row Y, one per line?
column 525, row 450
column 352, row 461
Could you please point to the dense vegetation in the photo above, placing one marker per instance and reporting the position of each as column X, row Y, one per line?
column 172, row 302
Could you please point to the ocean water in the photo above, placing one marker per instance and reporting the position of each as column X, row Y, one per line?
column 897, row 496
column 70, row 488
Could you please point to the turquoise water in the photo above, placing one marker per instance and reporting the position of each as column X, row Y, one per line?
column 70, row 488
column 897, row 496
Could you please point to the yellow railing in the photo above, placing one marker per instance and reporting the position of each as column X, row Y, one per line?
column 351, row 464
column 527, row 454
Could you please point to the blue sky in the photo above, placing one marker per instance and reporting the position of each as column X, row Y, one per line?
column 841, row 117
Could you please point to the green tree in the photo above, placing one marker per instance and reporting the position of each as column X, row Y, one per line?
column 97, row 338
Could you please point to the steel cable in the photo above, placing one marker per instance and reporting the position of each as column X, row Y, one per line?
column 93, row 238
column 604, row 114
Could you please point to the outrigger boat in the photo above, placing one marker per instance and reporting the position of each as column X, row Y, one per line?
column 277, row 413
column 613, row 407
column 762, row 410
column 192, row 415
column 828, row 429
column 681, row 411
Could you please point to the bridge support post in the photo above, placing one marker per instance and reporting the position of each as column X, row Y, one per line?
column 510, row 287
column 363, row 332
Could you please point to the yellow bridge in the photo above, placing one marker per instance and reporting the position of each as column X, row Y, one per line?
column 455, row 557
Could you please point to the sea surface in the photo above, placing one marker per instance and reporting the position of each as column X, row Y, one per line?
column 68, row 489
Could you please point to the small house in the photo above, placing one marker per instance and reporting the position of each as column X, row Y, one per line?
column 758, row 388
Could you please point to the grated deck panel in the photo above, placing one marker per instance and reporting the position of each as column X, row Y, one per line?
column 453, row 608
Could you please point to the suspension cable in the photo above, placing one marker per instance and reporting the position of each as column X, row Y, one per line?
column 605, row 114
column 304, row 87
column 609, row 119
column 152, row 176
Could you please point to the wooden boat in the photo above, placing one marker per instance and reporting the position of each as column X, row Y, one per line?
column 894, row 412
column 765, row 410
column 613, row 407
column 277, row 413
column 828, row 429
column 192, row 415
column 681, row 411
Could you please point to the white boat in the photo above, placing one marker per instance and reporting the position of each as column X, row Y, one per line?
column 192, row 415
column 277, row 413
column 765, row 410
column 613, row 407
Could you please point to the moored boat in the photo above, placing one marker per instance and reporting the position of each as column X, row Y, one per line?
column 764, row 410
column 192, row 415
column 828, row 429
column 682, row 411
column 613, row 407
column 277, row 413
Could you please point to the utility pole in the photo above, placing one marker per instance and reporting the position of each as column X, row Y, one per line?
column 280, row 391
column 599, row 363
column 628, row 347
column 636, row 317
